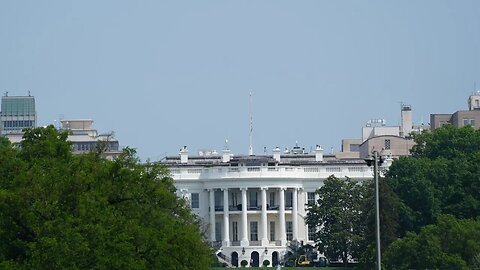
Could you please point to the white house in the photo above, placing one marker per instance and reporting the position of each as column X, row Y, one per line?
column 252, row 206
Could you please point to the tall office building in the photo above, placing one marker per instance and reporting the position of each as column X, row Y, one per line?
column 17, row 113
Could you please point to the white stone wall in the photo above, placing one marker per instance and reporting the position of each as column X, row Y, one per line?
column 301, row 178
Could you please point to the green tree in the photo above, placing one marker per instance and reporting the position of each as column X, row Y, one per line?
column 419, row 202
column 441, row 177
column 449, row 244
column 4, row 142
column 60, row 211
column 389, row 219
column 448, row 141
column 338, row 217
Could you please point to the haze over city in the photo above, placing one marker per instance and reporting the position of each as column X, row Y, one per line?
column 166, row 74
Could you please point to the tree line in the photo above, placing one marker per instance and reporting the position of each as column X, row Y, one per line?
column 65, row 211
column 429, row 208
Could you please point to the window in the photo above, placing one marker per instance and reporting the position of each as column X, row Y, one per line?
column 272, row 230
column 234, row 198
column 470, row 122
column 311, row 233
column 218, row 231
column 442, row 123
column 272, row 199
column 235, row 231
column 195, row 200
column 310, row 198
column 252, row 199
column 253, row 231
column 289, row 231
column 219, row 200
column 288, row 199
column 388, row 144
column 354, row 148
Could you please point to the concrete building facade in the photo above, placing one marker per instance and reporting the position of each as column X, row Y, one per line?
column 390, row 141
column 388, row 145
column 85, row 138
column 17, row 113
column 460, row 118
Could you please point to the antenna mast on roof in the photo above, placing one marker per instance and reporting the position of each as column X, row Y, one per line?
column 250, row 149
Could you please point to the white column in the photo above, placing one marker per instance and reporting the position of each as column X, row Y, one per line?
column 244, row 241
column 226, row 223
column 212, row 214
column 301, row 213
column 264, row 217
column 283, row 233
column 295, row 214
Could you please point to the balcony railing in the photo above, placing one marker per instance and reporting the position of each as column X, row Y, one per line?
column 219, row 208
column 302, row 172
column 254, row 243
column 273, row 207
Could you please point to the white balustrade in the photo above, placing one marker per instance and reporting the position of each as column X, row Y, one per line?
column 302, row 172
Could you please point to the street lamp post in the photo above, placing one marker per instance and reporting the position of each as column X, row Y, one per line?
column 376, row 160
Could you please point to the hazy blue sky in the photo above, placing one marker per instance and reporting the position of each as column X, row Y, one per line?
column 163, row 74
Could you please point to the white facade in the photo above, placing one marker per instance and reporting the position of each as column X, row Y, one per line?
column 274, row 189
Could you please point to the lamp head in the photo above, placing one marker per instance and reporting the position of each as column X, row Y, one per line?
column 369, row 160
column 380, row 160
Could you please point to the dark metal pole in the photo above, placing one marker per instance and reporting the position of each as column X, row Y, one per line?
column 377, row 210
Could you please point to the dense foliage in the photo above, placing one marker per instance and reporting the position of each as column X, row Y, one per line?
column 442, row 177
column 389, row 226
column 429, row 207
column 439, row 199
column 337, row 215
column 60, row 211
column 448, row 244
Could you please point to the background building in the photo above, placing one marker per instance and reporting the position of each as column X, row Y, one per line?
column 85, row 139
column 390, row 141
column 460, row 118
column 17, row 113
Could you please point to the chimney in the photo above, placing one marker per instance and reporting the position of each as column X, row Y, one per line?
column 184, row 155
column 276, row 154
column 406, row 120
column 226, row 155
column 318, row 153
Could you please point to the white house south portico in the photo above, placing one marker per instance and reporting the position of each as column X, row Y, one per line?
column 253, row 206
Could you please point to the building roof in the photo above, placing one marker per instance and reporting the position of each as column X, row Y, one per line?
column 256, row 160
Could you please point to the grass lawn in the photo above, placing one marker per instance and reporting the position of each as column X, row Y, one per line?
column 293, row 268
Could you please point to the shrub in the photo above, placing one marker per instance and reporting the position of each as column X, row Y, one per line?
column 266, row 263
column 243, row 263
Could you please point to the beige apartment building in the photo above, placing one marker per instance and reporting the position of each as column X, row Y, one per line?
column 390, row 141
column 460, row 118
